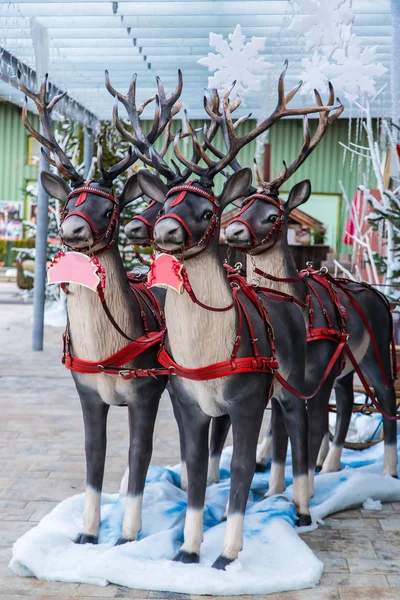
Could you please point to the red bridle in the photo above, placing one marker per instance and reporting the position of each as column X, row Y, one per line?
column 277, row 226
column 82, row 193
column 212, row 227
column 146, row 221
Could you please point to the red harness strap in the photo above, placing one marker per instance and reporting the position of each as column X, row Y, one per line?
column 234, row 365
column 222, row 369
column 112, row 365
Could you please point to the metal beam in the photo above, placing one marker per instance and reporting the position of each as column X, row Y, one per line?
column 68, row 106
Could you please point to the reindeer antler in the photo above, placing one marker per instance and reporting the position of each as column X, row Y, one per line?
column 45, row 108
column 235, row 143
column 308, row 145
column 165, row 109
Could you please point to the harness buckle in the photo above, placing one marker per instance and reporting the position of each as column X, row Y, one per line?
column 126, row 373
column 171, row 370
column 101, row 367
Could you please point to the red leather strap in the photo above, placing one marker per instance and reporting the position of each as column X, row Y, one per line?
column 225, row 368
column 117, row 360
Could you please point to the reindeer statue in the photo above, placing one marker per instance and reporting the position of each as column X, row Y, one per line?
column 221, row 349
column 117, row 332
column 261, row 231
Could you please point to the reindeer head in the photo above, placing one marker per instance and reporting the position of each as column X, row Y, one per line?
column 263, row 220
column 139, row 231
column 189, row 218
column 90, row 215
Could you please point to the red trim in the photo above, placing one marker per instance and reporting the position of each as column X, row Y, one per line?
column 248, row 364
column 117, row 360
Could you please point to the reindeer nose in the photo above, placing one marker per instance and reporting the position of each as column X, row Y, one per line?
column 237, row 232
column 78, row 230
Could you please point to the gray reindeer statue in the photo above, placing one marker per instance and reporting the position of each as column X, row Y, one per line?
column 112, row 338
column 260, row 230
column 221, row 349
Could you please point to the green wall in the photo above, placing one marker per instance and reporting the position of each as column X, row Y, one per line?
column 14, row 168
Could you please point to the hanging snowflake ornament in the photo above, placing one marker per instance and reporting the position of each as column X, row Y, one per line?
column 235, row 61
column 355, row 70
column 322, row 22
column 315, row 74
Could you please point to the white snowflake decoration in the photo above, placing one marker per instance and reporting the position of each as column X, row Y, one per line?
column 322, row 22
column 338, row 56
column 355, row 70
column 235, row 61
column 314, row 75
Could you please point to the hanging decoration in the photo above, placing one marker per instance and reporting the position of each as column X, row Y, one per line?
column 236, row 61
column 338, row 56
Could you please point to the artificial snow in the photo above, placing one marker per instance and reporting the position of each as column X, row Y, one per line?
column 274, row 558
column 370, row 504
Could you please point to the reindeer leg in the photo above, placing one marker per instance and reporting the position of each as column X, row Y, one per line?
column 344, row 403
column 196, row 424
column 280, row 438
column 219, row 432
column 317, row 411
column 95, row 413
column 246, row 429
column 387, row 400
column 323, row 452
column 264, row 451
column 179, row 421
column 142, row 415
column 295, row 415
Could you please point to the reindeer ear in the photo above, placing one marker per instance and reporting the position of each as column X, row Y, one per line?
column 235, row 187
column 131, row 191
column 299, row 194
column 55, row 186
column 152, row 186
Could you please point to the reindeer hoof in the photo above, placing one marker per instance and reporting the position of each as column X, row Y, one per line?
column 303, row 520
column 187, row 557
column 83, row 538
column 260, row 468
column 122, row 541
column 222, row 562
column 318, row 468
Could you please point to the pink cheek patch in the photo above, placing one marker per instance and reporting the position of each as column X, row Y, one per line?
column 166, row 272
column 74, row 267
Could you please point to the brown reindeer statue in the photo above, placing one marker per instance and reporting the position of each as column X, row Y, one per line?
column 113, row 337
column 261, row 231
column 221, row 349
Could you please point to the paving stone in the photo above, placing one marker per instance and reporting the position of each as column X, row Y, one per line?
column 109, row 591
column 374, row 566
column 318, row 593
column 354, row 580
column 352, row 593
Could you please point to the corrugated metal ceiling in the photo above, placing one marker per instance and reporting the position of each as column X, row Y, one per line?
column 158, row 37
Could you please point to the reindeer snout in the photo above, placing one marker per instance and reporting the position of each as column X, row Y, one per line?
column 76, row 232
column 137, row 232
column 169, row 234
column 237, row 234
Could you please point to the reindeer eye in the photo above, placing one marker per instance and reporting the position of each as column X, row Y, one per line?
column 109, row 214
column 208, row 214
column 161, row 212
column 273, row 218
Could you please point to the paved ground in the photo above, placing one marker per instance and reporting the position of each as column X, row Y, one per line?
column 42, row 462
